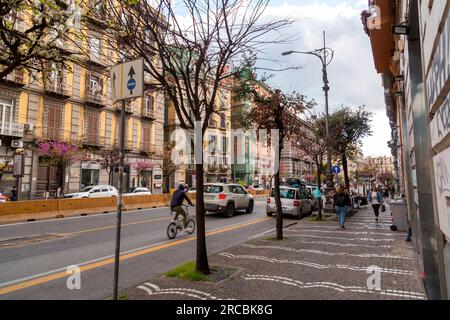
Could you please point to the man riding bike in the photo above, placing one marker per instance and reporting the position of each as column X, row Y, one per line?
column 177, row 202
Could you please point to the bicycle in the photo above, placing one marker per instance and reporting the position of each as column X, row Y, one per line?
column 175, row 226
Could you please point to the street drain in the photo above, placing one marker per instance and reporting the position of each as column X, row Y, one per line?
column 218, row 273
column 28, row 239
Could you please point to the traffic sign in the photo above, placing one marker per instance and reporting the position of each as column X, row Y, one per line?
column 127, row 80
column 336, row 169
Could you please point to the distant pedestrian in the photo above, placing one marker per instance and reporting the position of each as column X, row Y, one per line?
column 341, row 202
column 13, row 194
column 376, row 200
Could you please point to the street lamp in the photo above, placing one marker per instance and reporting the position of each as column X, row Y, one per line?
column 325, row 55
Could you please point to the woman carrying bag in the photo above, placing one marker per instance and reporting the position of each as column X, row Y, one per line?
column 376, row 200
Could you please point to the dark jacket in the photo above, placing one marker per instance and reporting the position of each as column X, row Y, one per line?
column 178, row 197
column 341, row 200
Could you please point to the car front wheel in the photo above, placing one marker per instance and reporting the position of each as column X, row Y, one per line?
column 250, row 206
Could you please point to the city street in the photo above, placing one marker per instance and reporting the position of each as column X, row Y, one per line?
column 34, row 256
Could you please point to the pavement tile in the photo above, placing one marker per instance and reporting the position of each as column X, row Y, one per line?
column 318, row 260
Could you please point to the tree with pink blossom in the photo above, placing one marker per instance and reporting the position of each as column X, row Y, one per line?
column 60, row 154
column 143, row 167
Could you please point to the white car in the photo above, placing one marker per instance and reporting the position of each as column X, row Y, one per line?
column 94, row 192
column 294, row 202
column 315, row 202
column 2, row 198
column 138, row 191
column 226, row 198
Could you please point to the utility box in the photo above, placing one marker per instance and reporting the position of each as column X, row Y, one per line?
column 399, row 214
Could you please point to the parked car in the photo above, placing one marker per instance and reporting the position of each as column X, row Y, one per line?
column 192, row 190
column 315, row 202
column 94, row 192
column 226, row 198
column 2, row 197
column 138, row 191
column 294, row 201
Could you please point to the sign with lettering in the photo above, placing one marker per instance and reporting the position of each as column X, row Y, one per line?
column 19, row 165
column 440, row 125
column 440, row 68
column 442, row 181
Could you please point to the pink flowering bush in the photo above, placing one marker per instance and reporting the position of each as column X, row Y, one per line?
column 142, row 165
column 61, row 153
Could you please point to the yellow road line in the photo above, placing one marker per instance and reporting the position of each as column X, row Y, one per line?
column 98, row 264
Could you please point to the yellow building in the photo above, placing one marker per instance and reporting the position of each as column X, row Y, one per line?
column 75, row 106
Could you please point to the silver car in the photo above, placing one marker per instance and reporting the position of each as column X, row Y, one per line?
column 294, row 202
column 226, row 198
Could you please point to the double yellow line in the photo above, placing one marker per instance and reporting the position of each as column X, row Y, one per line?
column 58, row 275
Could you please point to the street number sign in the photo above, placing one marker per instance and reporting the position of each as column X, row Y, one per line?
column 127, row 80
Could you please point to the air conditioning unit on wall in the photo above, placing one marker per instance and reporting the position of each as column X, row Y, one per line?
column 27, row 127
column 17, row 143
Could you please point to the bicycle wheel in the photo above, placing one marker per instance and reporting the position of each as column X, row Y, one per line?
column 172, row 230
column 190, row 226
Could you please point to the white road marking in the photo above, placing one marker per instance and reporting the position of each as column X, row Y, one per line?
column 341, row 244
column 334, row 286
column 315, row 265
column 327, row 253
column 201, row 295
column 340, row 238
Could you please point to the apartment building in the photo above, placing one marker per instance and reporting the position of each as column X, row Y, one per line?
column 74, row 106
column 216, row 139
column 410, row 45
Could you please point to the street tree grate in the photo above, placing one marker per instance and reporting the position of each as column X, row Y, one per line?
column 219, row 273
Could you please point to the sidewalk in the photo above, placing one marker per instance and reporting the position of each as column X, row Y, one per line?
column 318, row 260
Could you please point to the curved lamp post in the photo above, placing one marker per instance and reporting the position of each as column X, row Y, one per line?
column 325, row 54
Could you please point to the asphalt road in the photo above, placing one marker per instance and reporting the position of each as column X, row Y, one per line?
column 34, row 256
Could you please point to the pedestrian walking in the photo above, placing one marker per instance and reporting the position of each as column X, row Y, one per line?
column 341, row 202
column 13, row 194
column 376, row 200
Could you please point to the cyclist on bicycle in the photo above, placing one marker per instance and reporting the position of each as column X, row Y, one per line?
column 177, row 202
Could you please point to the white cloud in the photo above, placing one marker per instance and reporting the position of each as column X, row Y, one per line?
column 352, row 77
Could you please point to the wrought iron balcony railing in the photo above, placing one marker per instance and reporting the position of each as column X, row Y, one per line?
column 12, row 129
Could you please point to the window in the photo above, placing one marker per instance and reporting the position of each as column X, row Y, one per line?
column 222, row 120
column 6, row 112
column 224, row 144
column 94, row 44
column 213, row 189
column 148, row 106
column 104, row 189
column 146, row 137
column 54, row 122
column 92, row 127
column 212, row 144
column 285, row 193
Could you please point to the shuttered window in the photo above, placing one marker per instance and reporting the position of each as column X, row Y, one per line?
column 92, row 129
column 54, row 122
column 146, row 138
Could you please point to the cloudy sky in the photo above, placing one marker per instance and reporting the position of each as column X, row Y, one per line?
column 352, row 76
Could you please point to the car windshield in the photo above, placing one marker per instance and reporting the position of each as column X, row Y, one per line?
column 86, row 189
column 285, row 193
column 131, row 190
column 213, row 189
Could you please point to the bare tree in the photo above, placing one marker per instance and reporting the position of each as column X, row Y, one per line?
column 167, row 165
column 280, row 112
column 312, row 141
column 32, row 34
column 190, row 58
column 109, row 159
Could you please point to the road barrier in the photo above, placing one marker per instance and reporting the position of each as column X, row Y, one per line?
column 31, row 210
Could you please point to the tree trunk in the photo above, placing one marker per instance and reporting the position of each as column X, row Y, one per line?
column 319, row 185
column 279, row 224
column 202, row 257
column 345, row 168
column 166, row 184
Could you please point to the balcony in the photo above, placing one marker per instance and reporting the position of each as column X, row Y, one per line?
column 15, row 78
column 212, row 123
column 148, row 113
column 54, row 134
column 94, row 140
column 94, row 97
column 11, row 129
column 148, row 148
column 213, row 167
column 57, row 88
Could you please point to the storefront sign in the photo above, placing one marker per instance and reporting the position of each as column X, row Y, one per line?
column 19, row 165
column 158, row 177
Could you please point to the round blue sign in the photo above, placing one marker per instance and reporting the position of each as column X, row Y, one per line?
column 131, row 84
column 336, row 169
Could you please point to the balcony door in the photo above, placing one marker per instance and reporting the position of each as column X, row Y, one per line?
column 6, row 115
column 54, row 122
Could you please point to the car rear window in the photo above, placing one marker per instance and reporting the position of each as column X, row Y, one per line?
column 213, row 189
column 285, row 193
